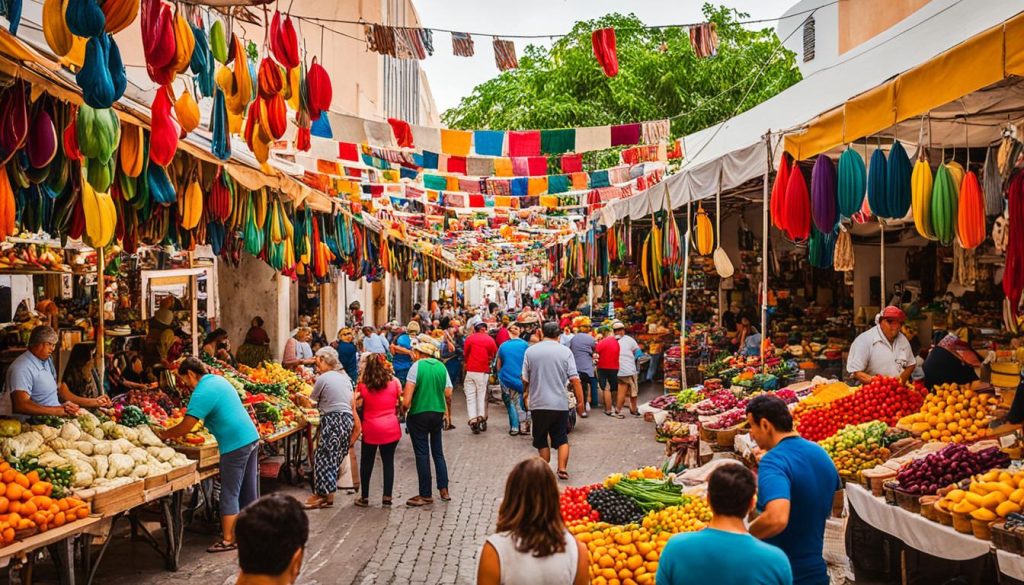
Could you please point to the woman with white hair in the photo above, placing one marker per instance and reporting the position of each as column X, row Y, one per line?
column 339, row 426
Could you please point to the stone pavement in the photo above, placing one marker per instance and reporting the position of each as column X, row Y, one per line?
column 433, row 545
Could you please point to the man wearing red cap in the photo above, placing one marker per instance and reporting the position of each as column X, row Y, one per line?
column 882, row 350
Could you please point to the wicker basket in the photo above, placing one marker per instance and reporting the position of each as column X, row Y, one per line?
column 962, row 523
column 708, row 435
column 874, row 481
column 1010, row 541
column 727, row 437
column 927, row 504
column 889, row 491
column 909, row 502
column 981, row 529
column 941, row 515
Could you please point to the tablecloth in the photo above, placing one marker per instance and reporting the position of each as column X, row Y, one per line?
column 1010, row 564
column 915, row 530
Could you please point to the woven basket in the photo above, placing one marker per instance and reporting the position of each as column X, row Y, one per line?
column 962, row 523
column 982, row 530
column 1010, row 541
column 942, row 516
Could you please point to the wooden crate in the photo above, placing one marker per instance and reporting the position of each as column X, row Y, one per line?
column 172, row 475
column 206, row 456
column 154, row 482
column 119, row 499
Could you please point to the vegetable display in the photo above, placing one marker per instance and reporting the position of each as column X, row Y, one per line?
column 650, row 494
column 883, row 399
column 28, row 505
column 575, row 507
column 614, row 507
column 952, row 464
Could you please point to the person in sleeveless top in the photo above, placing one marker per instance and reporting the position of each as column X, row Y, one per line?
column 531, row 545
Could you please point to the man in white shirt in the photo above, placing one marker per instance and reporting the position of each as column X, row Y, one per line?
column 629, row 349
column 882, row 350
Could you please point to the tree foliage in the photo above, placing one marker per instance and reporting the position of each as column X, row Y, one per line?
column 659, row 76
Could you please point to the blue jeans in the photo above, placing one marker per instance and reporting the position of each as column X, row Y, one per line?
column 589, row 382
column 425, row 430
column 652, row 367
column 513, row 400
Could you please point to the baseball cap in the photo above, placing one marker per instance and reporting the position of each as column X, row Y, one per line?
column 892, row 312
column 479, row 326
column 618, row 325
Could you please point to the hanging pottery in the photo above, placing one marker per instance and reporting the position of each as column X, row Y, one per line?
column 824, row 203
column 971, row 212
column 921, row 198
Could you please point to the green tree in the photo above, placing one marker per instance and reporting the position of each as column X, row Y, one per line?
column 659, row 76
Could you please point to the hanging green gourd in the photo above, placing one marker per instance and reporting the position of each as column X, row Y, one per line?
column 897, row 181
column 824, row 202
column 852, row 179
column 877, row 198
column 944, row 206
column 921, row 184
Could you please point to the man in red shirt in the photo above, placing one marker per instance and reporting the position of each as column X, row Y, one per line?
column 607, row 352
column 479, row 350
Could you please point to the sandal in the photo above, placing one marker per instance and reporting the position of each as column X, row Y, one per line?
column 608, row 413
column 362, row 502
column 619, row 415
column 419, row 501
column 482, row 425
column 221, row 546
column 513, row 432
column 317, row 503
column 445, row 496
column 563, row 475
column 386, row 502
column 473, row 424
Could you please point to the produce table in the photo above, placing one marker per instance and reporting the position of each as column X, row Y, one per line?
column 1010, row 564
column 915, row 530
column 290, row 441
column 60, row 541
column 163, row 504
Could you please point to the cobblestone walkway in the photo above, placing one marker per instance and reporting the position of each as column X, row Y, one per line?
column 433, row 545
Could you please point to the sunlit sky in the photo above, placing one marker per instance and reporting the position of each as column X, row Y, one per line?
column 452, row 78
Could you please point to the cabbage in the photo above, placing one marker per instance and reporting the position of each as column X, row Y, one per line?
column 70, row 431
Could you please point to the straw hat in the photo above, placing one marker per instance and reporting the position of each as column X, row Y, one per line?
column 427, row 349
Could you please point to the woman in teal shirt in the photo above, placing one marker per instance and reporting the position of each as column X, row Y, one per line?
column 215, row 402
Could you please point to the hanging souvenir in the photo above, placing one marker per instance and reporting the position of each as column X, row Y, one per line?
column 944, row 206
column 877, row 197
column 705, row 236
column 993, row 184
column 852, row 179
column 798, row 205
column 778, row 194
column 55, row 28
column 824, row 203
column 603, row 41
column 897, row 182
column 843, row 258
column 1013, row 276
column 971, row 212
column 921, row 198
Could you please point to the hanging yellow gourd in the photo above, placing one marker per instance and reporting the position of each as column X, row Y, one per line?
column 921, row 198
column 705, row 233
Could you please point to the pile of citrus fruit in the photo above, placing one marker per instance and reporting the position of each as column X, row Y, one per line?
column 628, row 555
column 951, row 414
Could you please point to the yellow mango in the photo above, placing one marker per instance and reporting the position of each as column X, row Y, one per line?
column 1007, row 508
column 964, row 507
column 991, row 476
column 1017, row 496
column 975, row 499
column 993, row 499
column 956, row 496
column 984, row 515
column 979, row 488
column 1004, row 476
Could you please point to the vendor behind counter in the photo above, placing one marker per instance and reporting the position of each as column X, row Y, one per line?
column 951, row 361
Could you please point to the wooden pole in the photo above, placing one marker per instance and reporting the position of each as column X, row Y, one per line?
column 881, row 274
column 101, row 293
column 686, row 281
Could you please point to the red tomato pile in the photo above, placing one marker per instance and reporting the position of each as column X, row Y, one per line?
column 884, row 399
column 574, row 504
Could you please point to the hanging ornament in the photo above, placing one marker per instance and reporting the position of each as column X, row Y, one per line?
column 921, row 184
column 824, row 202
column 778, row 194
column 798, row 205
column 877, row 198
column 852, row 182
column 971, row 212
column 897, row 182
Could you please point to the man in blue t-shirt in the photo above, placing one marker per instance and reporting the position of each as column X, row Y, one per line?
column 509, row 363
column 796, row 484
column 724, row 553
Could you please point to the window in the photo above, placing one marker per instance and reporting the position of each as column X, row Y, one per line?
column 809, row 40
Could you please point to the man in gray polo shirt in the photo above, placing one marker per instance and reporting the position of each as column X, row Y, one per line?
column 548, row 367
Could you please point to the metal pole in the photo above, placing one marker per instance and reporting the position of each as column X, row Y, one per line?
column 764, row 250
column 686, row 280
column 101, row 293
column 881, row 230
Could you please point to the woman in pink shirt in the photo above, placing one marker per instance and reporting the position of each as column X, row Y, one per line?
column 378, row 392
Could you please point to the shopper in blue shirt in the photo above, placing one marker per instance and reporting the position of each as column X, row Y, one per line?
column 724, row 553
column 401, row 349
column 796, row 484
column 215, row 402
column 510, row 370
column 374, row 342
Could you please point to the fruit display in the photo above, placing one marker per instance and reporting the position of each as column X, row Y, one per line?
column 630, row 554
column 197, row 437
column 827, row 394
column 858, row 447
column 275, row 373
column 728, row 419
column 688, row 396
column 28, row 505
column 648, row 493
column 33, row 257
column 716, row 403
column 671, row 430
column 953, row 463
column 665, row 401
column 883, row 399
column 131, row 416
column 266, row 391
column 995, row 494
column 951, row 414
column 575, row 507
column 786, row 395
column 101, row 454
column 155, row 404
column 614, row 507
column 59, row 477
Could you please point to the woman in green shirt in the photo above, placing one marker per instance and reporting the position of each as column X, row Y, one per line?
column 425, row 400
